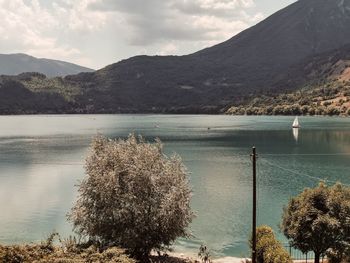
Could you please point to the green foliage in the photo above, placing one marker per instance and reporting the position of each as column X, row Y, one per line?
column 318, row 220
column 204, row 254
column 55, row 85
column 47, row 252
column 133, row 196
column 268, row 249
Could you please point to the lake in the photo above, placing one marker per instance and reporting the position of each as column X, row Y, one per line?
column 42, row 159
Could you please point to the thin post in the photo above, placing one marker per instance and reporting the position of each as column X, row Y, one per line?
column 254, row 207
column 290, row 251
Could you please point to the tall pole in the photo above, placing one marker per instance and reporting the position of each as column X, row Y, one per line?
column 254, row 207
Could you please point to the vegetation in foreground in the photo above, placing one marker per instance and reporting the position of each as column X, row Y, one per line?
column 318, row 220
column 268, row 249
column 67, row 252
column 133, row 196
column 70, row 251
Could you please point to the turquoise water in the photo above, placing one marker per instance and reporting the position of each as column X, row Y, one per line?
column 42, row 158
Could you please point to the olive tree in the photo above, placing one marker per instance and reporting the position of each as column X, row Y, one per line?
column 318, row 220
column 132, row 196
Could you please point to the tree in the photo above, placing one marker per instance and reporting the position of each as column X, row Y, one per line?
column 339, row 205
column 268, row 249
column 133, row 196
column 318, row 220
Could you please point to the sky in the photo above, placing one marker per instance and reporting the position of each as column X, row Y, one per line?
column 96, row 33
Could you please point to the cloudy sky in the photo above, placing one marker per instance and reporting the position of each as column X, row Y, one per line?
column 96, row 33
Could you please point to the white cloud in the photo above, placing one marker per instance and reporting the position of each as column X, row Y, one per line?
column 172, row 22
column 168, row 49
column 28, row 27
column 92, row 32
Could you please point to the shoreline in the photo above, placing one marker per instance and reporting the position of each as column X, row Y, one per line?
column 193, row 256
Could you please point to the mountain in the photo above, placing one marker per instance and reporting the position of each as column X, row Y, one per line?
column 13, row 64
column 268, row 58
column 254, row 60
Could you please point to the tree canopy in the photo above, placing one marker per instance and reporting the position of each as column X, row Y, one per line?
column 318, row 220
column 133, row 196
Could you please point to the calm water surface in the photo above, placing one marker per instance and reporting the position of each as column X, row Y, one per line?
column 42, row 158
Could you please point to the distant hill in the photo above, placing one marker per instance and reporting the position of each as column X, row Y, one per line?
column 13, row 64
column 268, row 59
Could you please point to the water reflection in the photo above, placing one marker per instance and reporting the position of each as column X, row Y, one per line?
column 296, row 134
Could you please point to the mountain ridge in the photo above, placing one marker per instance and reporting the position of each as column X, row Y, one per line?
column 17, row 63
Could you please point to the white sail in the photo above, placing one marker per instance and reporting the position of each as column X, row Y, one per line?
column 296, row 123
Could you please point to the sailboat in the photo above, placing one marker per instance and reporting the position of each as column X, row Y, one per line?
column 296, row 123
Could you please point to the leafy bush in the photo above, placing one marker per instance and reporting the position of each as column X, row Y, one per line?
column 46, row 252
column 268, row 249
column 133, row 196
column 204, row 254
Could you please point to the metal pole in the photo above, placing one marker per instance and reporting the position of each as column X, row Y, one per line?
column 290, row 250
column 254, row 206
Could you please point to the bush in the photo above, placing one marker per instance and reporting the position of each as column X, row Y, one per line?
column 204, row 254
column 46, row 252
column 133, row 196
column 331, row 110
column 268, row 249
column 278, row 110
column 305, row 109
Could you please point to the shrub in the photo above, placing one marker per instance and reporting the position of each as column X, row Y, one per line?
column 312, row 111
column 348, row 112
column 331, row 110
column 204, row 254
column 40, row 253
column 133, row 196
column 295, row 109
column 278, row 110
column 305, row 109
column 327, row 103
column 268, row 249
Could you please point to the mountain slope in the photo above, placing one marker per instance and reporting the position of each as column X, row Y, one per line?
column 16, row 98
column 324, row 82
column 251, row 61
column 13, row 64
